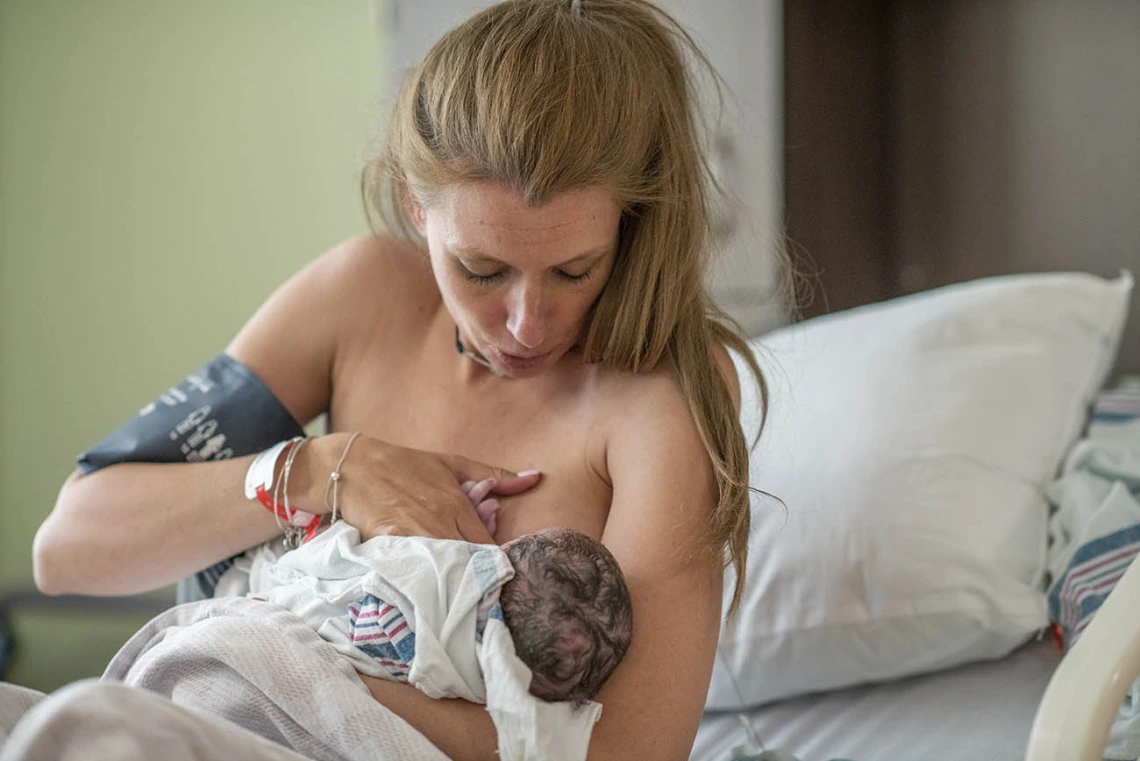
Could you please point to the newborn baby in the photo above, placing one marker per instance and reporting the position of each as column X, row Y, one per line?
column 415, row 609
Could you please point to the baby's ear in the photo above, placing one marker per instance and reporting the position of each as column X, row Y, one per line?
column 542, row 687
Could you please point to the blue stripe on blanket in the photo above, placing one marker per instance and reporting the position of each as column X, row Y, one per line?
column 1114, row 417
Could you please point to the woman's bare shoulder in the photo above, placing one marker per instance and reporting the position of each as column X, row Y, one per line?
column 637, row 409
column 660, row 389
column 637, row 412
column 378, row 270
column 324, row 311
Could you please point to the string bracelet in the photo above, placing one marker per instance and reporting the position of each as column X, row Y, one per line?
column 293, row 532
column 334, row 479
column 273, row 503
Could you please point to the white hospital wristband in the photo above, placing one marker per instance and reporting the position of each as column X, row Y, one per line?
column 264, row 468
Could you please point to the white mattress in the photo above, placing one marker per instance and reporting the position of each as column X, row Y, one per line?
column 980, row 712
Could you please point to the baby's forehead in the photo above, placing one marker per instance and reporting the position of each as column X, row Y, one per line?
column 558, row 534
column 549, row 539
column 557, row 541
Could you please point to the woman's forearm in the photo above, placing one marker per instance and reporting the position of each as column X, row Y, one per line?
column 135, row 527
column 462, row 730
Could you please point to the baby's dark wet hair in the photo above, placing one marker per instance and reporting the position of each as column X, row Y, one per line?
column 568, row 610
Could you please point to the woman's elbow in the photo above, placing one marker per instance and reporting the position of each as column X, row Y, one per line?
column 49, row 557
column 46, row 569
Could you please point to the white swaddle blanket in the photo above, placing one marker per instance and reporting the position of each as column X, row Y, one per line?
column 455, row 643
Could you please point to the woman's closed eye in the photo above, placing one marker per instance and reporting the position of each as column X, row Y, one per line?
column 579, row 278
column 486, row 279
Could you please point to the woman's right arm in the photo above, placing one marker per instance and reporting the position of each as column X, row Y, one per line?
column 133, row 527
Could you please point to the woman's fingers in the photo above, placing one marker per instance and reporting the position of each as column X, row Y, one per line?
column 507, row 482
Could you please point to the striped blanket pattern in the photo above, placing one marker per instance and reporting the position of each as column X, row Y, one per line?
column 1095, row 534
column 1100, row 538
column 382, row 632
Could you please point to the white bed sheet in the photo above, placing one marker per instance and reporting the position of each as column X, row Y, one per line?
column 979, row 712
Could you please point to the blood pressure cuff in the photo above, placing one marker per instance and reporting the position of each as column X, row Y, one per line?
column 220, row 411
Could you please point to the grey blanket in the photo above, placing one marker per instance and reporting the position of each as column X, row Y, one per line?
column 205, row 667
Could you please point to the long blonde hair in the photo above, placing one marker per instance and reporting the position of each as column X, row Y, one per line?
column 547, row 96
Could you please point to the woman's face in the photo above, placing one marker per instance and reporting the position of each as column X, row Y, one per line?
column 519, row 281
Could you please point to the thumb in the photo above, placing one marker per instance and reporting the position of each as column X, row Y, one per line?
column 506, row 482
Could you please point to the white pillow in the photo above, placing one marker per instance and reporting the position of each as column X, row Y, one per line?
column 911, row 441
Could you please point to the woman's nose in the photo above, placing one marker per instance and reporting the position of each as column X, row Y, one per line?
column 525, row 318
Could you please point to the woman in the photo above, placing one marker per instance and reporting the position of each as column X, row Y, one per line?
column 544, row 309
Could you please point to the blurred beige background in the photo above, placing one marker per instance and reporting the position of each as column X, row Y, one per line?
column 163, row 166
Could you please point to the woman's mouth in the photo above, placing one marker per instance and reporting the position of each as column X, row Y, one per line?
column 519, row 363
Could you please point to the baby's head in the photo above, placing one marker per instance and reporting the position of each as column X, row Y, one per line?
column 568, row 611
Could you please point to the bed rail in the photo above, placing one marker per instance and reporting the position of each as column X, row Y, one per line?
column 1086, row 690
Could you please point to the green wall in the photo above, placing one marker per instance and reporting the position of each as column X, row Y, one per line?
column 163, row 166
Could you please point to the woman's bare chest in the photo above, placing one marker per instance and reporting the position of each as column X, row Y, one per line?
column 556, row 435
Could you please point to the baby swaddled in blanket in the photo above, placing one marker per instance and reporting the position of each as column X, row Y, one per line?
column 560, row 593
column 546, row 617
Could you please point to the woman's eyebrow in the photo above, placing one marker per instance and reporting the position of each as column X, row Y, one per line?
column 475, row 255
